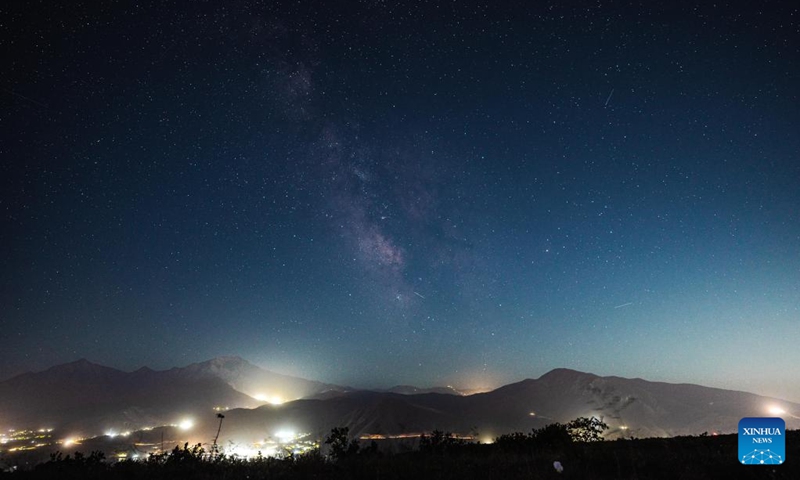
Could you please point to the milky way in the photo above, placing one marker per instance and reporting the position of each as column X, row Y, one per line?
column 405, row 193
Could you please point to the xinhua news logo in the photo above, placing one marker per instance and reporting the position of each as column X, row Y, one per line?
column 762, row 441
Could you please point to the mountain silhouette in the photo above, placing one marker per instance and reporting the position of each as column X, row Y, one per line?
column 85, row 398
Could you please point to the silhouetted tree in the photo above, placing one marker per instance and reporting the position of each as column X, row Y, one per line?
column 584, row 429
column 341, row 445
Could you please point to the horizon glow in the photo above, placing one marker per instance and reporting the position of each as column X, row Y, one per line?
column 448, row 196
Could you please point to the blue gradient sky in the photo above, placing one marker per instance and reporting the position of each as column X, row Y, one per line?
column 405, row 193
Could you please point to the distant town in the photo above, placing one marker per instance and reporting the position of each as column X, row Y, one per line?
column 141, row 443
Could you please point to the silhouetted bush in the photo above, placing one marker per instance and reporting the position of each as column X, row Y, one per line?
column 446, row 457
column 439, row 442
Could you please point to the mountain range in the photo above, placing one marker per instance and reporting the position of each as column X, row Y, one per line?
column 87, row 399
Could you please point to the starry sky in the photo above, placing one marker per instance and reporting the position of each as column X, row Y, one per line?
column 374, row 193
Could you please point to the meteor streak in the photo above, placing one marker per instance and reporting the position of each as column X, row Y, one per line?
column 609, row 97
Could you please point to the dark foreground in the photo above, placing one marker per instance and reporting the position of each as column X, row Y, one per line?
column 704, row 457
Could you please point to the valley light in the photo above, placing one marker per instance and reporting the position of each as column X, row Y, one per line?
column 285, row 435
column 269, row 451
column 272, row 399
column 773, row 410
column 186, row 424
column 111, row 434
column 244, row 452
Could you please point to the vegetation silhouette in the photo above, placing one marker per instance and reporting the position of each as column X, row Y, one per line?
column 440, row 442
column 341, row 445
column 215, row 445
column 554, row 436
column 568, row 451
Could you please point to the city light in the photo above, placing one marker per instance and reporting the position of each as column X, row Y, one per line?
column 282, row 442
column 272, row 399
column 186, row 424
column 270, row 451
column 779, row 412
column 243, row 451
column 773, row 410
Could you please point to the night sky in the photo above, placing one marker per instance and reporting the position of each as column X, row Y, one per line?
column 375, row 193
